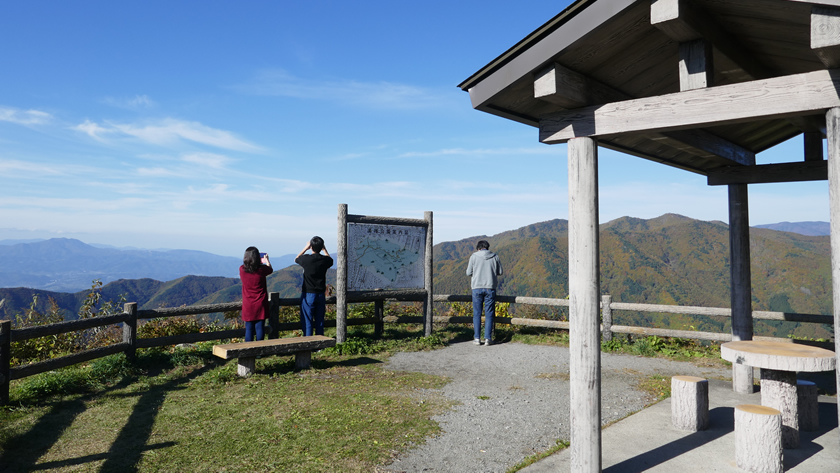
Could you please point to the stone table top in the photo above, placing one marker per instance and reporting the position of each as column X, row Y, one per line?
column 778, row 355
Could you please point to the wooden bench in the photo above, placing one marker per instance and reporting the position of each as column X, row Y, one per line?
column 246, row 352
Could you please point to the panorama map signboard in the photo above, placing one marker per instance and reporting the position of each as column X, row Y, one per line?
column 385, row 256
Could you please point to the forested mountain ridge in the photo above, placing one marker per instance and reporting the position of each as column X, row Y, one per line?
column 670, row 259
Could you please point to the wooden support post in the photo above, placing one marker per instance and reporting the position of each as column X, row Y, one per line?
column 129, row 334
column 813, row 145
column 245, row 366
column 272, row 331
column 428, row 276
column 758, row 438
column 778, row 390
column 696, row 70
column 807, row 402
column 5, row 359
column 689, row 403
column 379, row 315
column 341, row 277
column 740, row 283
column 832, row 122
column 606, row 317
column 303, row 359
column 825, row 34
column 584, row 295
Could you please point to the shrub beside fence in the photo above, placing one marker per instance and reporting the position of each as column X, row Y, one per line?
column 130, row 343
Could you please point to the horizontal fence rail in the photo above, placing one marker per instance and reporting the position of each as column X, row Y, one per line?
column 130, row 341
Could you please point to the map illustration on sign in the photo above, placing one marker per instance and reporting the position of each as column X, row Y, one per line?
column 385, row 256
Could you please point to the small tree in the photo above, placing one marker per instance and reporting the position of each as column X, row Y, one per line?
column 43, row 348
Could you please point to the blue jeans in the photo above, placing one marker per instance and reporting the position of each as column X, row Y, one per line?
column 487, row 298
column 254, row 326
column 313, row 305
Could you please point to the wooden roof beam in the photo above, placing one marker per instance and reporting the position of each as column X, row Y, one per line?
column 569, row 89
column 825, row 35
column 779, row 97
column 683, row 21
column 768, row 173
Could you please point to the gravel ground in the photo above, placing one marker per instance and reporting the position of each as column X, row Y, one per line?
column 513, row 401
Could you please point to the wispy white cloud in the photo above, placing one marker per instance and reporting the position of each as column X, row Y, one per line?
column 24, row 117
column 130, row 103
column 168, row 132
column 377, row 95
column 542, row 150
column 211, row 160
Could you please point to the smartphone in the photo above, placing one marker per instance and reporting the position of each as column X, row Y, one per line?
column 263, row 256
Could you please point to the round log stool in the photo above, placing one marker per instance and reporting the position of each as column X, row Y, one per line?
column 808, row 405
column 689, row 403
column 758, row 439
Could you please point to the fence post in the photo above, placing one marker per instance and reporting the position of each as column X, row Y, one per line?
column 341, row 277
column 130, row 330
column 379, row 314
column 5, row 356
column 428, row 276
column 271, row 331
column 606, row 316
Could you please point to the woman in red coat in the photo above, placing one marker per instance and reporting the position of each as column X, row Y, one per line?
column 254, row 292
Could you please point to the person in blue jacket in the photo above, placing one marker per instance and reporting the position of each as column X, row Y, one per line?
column 484, row 268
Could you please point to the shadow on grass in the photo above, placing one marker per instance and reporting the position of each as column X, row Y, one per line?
column 127, row 449
column 125, row 452
column 38, row 440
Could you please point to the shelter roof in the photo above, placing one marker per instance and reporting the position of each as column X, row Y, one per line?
column 607, row 51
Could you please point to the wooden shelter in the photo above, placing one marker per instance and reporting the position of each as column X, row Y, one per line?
column 700, row 85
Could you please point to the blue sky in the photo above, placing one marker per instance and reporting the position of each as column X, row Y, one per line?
column 218, row 125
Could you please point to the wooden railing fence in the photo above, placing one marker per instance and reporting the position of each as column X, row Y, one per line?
column 130, row 343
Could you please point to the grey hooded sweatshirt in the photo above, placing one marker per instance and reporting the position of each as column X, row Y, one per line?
column 484, row 267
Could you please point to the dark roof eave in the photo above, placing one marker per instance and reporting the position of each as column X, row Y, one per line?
column 525, row 43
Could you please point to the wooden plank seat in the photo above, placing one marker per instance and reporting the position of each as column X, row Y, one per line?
column 246, row 352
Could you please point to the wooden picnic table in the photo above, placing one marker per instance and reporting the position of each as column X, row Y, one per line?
column 779, row 363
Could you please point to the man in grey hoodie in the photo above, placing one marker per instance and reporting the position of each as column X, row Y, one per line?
column 484, row 268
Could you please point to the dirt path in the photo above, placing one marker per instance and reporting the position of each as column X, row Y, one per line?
column 514, row 401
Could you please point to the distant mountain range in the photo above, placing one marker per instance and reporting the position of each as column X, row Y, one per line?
column 802, row 228
column 666, row 260
column 64, row 264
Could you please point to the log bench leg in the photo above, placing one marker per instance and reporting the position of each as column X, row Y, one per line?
column 245, row 366
column 778, row 390
column 303, row 359
column 808, row 404
column 758, row 439
column 689, row 403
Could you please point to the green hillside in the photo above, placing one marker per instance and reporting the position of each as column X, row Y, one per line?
column 666, row 260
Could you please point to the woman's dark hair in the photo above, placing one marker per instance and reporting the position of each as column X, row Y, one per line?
column 482, row 245
column 251, row 260
column 317, row 244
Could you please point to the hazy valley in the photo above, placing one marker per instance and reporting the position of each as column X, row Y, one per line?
column 666, row 260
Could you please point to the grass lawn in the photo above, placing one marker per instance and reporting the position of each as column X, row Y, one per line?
column 185, row 410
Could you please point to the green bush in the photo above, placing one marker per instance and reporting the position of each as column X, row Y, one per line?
column 169, row 326
column 74, row 380
column 42, row 348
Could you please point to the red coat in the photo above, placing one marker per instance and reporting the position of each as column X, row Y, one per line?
column 254, row 293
